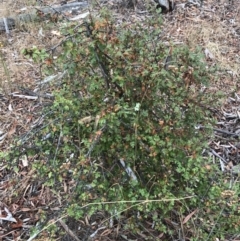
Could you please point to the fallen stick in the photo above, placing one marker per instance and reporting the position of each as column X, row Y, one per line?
column 11, row 22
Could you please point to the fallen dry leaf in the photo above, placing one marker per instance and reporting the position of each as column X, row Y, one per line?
column 13, row 129
column 18, row 224
column 189, row 216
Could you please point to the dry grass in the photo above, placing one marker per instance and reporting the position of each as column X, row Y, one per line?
column 16, row 71
column 22, row 71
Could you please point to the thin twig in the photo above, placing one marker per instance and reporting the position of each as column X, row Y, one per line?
column 217, row 155
column 226, row 132
column 69, row 231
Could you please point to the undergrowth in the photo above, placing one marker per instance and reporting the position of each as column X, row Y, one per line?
column 126, row 128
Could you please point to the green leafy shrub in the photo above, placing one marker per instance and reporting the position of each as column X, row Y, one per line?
column 125, row 105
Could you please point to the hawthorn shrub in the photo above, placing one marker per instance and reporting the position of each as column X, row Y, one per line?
column 124, row 126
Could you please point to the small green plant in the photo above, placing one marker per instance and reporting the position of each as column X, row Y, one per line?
column 124, row 126
column 38, row 55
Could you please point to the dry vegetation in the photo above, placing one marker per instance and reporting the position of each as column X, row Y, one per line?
column 215, row 27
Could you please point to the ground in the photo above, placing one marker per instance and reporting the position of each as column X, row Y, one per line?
column 215, row 27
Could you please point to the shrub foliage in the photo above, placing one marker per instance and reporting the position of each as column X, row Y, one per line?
column 124, row 123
